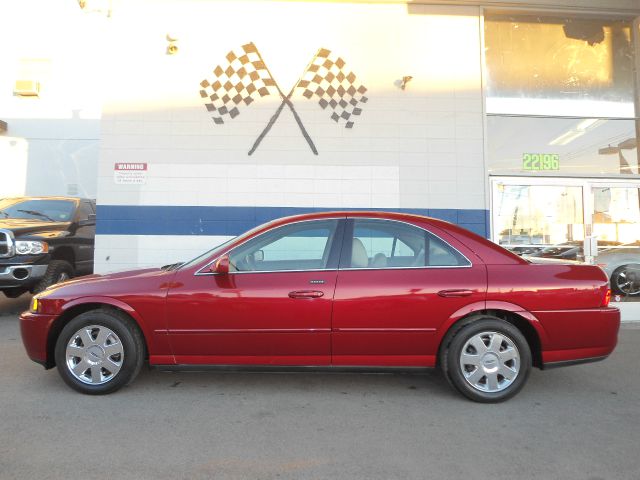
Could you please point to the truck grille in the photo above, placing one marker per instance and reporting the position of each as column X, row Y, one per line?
column 6, row 244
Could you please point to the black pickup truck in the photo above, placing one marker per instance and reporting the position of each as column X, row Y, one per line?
column 43, row 241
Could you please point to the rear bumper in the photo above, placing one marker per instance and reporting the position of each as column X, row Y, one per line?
column 568, row 363
column 34, row 329
column 578, row 336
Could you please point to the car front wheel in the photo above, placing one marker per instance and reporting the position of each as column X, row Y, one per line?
column 99, row 352
column 487, row 360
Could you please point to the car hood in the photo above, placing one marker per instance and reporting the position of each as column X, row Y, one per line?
column 131, row 281
column 21, row 226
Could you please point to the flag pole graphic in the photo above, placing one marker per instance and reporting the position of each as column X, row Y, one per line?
column 285, row 100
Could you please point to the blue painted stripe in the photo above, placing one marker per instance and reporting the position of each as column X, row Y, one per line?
column 173, row 220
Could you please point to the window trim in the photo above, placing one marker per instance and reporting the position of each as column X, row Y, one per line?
column 334, row 251
column 348, row 236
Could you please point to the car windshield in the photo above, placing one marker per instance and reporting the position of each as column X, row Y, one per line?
column 43, row 210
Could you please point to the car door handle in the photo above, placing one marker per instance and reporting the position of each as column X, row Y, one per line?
column 306, row 294
column 455, row 293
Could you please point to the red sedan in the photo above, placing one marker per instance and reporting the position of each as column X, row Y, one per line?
column 331, row 290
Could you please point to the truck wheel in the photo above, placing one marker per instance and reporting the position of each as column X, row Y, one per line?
column 487, row 360
column 57, row 271
column 99, row 352
column 14, row 292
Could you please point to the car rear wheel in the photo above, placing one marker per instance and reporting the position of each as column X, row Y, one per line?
column 487, row 360
column 625, row 280
column 99, row 352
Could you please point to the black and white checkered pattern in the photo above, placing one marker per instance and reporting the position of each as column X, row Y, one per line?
column 327, row 79
column 245, row 76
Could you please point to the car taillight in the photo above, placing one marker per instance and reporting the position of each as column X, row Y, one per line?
column 607, row 298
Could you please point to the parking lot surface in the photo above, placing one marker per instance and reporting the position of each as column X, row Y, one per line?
column 580, row 422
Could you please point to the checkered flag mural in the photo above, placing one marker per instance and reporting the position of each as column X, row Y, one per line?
column 247, row 77
column 335, row 87
column 243, row 79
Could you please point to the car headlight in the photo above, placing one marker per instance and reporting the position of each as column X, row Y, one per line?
column 28, row 247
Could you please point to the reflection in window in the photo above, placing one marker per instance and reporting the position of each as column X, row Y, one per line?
column 299, row 246
column 616, row 214
column 552, row 146
column 538, row 214
column 544, row 65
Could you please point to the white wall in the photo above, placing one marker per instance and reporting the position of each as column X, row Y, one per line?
column 58, row 45
column 416, row 148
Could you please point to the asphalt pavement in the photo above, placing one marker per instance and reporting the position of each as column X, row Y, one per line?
column 580, row 422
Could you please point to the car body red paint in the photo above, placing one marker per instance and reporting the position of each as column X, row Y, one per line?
column 376, row 317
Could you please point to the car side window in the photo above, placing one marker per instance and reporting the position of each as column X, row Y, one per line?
column 299, row 246
column 389, row 244
column 85, row 210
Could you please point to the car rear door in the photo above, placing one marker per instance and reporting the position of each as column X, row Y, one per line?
column 397, row 285
column 273, row 307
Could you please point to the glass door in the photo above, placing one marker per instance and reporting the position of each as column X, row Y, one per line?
column 531, row 216
column 615, row 214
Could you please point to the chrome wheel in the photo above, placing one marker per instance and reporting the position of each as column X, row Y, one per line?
column 490, row 362
column 94, row 355
column 626, row 280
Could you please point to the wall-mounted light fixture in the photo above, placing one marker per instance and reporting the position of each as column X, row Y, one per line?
column 406, row 79
column 172, row 48
column 26, row 88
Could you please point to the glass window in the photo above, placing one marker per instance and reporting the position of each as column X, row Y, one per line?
column 561, row 146
column 43, row 210
column 86, row 209
column 616, row 214
column 559, row 65
column 388, row 244
column 300, row 246
column 530, row 216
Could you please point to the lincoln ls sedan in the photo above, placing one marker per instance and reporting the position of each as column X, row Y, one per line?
column 331, row 290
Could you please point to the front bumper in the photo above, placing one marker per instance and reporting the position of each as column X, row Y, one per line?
column 12, row 276
column 34, row 328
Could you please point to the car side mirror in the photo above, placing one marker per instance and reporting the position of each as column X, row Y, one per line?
column 258, row 256
column 221, row 266
column 91, row 220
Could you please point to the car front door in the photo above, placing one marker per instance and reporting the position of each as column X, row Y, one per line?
column 397, row 284
column 273, row 307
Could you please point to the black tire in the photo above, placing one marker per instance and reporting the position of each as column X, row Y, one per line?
column 131, row 341
column 624, row 274
column 57, row 271
column 483, row 329
column 14, row 292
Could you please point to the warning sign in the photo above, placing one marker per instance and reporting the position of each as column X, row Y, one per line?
column 130, row 173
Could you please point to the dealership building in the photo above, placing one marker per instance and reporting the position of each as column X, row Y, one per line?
column 192, row 121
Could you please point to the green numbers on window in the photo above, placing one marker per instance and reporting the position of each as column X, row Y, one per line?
column 540, row 161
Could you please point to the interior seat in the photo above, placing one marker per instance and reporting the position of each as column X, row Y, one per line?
column 379, row 260
column 359, row 257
